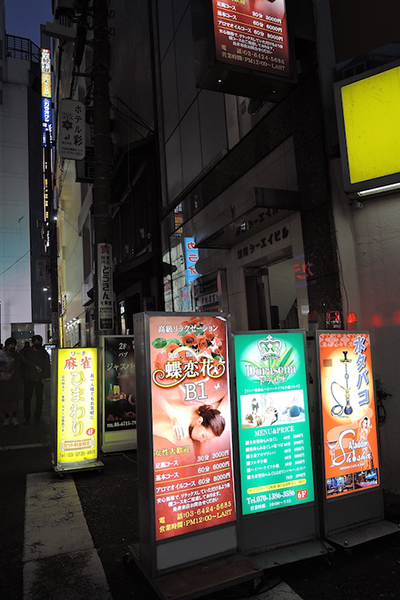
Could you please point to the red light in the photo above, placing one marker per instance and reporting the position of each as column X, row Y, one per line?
column 351, row 318
column 377, row 320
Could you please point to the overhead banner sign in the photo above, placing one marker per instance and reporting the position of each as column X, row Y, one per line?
column 348, row 413
column 273, row 421
column 72, row 129
column 77, row 424
column 193, row 473
column 252, row 34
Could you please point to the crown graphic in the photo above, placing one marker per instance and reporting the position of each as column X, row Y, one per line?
column 270, row 348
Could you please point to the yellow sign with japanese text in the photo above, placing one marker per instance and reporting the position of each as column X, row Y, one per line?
column 77, row 422
column 46, row 85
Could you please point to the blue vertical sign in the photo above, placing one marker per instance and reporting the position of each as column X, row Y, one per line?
column 47, row 122
column 191, row 258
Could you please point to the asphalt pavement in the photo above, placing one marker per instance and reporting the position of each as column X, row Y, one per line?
column 69, row 538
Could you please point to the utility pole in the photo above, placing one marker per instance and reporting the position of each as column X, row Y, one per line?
column 103, row 275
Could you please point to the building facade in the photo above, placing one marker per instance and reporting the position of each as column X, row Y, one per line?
column 24, row 272
column 259, row 186
column 245, row 191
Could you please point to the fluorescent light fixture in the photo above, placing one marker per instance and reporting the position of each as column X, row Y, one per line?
column 379, row 190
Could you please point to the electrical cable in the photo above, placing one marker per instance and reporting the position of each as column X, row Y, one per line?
column 121, row 115
column 144, row 123
column 18, row 259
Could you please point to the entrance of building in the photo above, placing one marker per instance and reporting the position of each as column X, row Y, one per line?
column 271, row 296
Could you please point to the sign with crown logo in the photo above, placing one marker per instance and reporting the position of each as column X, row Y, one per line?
column 273, row 420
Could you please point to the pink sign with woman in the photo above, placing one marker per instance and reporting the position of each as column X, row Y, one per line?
column 191, row 423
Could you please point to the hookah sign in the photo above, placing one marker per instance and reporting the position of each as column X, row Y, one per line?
column 348, row 413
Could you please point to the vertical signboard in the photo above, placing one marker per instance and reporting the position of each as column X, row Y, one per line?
column 105, row 304
column 191, row 258
column 252, row 34
column 72, row 129
column 349, row 424
column 76, row 414
column 273, row 421
column 193, row 481
column 119, row 393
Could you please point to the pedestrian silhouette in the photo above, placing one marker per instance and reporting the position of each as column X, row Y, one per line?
column 35, row 374
column 11, row 385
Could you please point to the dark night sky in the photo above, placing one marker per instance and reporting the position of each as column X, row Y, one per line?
column 23, row 17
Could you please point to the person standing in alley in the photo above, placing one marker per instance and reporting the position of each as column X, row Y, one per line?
column 11, row 386
column 33, row 379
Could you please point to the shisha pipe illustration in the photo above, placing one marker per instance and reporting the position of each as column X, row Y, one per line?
column 338, row 409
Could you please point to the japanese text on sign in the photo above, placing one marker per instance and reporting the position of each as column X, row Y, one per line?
column 349, row 419
column 72, row 129
column 191, row 424
column 274, row 432
column 77, row 405
column 252, row 34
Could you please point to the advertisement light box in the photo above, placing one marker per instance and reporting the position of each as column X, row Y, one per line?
column 348, row 413
column 77, row 422
column 273, row 421
column 242, row 47
column 369, row 129
column 191, row 424
column 253, row 34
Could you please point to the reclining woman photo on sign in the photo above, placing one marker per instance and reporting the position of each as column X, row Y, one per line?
column 187, row 424
column 190, row 385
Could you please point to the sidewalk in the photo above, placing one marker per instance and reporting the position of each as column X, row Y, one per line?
column 105, row 506
column 32, row 435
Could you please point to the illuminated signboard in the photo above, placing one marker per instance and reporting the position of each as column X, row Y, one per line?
column 105, row 286
column 348, row 413
column 46, row 112
column 191, row 258
column 273, row 421
column 252, row 34
column 119, row 384
column 46, row 85
column 77, row 406
column 369, row 129
column 192, row 453
column 46, row 95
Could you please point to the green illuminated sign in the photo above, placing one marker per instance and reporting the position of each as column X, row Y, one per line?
column 273, row 421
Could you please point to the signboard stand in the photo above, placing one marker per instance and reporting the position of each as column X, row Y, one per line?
column 350, row 481
column 279, row 516
column 202, row 579
column 185, row 471
column 74, row 411
column 117, row 393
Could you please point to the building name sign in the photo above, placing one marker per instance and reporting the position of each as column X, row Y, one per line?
column 266, row 242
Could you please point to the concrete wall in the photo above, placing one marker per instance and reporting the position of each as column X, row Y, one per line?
column 369, row 247
column 15, row 286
